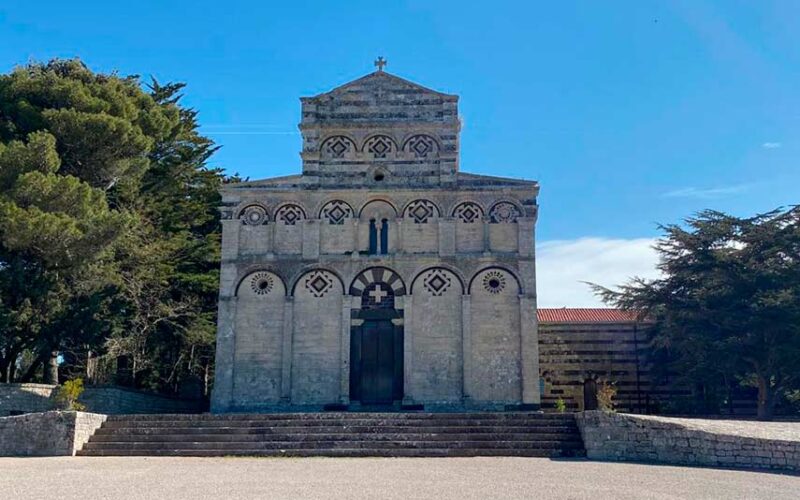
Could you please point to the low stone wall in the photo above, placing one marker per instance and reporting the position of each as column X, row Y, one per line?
column 116, row 401
column 47, row 434
column 28, row 398
column 717, row 443
column 25, row 398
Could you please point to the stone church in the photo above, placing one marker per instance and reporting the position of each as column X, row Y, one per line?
column 382, row 276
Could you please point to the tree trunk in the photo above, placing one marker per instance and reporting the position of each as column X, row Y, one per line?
column 91, row 367
column 766, row 398
column 33, row 368
column 8, row 365
column 206, row 378
column 4, row 371
column 51, row 369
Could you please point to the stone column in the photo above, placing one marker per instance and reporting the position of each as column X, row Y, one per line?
column 408, row 347
column 286, row 351
column 222, row 396
column 398, row 247
column 354, row 253
column 487, row 241
column 447, row 236
column 466, row 348
column 525, row 238
column 311, row 238
column 230, row 238
column 529, row 350
column 344, row 355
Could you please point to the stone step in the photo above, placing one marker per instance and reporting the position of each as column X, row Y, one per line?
column 378, row 445
column 385, row 436
column 339, row 434
column 318, row 423
column 340, row 416
column 342, row 452
column 103, row 431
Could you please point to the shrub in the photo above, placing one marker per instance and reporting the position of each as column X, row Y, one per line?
column 67, row 395
column 561, row 405
column 605, row 396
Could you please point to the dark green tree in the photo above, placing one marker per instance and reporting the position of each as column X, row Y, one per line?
column 728, row 302
column 56, row 233
column 120, row 195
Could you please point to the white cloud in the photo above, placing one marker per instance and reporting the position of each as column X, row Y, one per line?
column 771, row 145
column 707, row 193
column 563, row 265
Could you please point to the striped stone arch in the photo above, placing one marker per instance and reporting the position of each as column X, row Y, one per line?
column 378, row 275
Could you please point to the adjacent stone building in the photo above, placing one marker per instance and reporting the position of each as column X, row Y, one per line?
column 381, row 275
column 580, row 348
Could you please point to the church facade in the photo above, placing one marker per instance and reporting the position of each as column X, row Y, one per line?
column 381, row 276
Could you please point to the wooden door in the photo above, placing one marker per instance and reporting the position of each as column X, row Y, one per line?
column 377, row 362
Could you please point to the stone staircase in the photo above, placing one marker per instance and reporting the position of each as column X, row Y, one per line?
column 339, row 434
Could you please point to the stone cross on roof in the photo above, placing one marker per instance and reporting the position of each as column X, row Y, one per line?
column 380, row 62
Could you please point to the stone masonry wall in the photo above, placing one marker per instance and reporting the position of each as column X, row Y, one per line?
column 50, row 433
column 716, row 443
column 30, row 398
column 380, row 192
column 26, row 398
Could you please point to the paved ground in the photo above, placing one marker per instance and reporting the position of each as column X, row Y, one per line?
column 385, row 478
column 784, row 431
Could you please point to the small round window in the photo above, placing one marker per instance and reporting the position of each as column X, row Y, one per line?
column 494, row 282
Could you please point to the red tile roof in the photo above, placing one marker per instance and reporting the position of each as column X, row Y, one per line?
column 585, row 315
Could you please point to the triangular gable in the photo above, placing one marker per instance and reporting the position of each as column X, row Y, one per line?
column 465, row 179
column 383, row 80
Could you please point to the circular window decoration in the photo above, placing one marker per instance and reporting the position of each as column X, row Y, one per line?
column 504, row 213
column 494, row 282
column 262, row 283
column 254, row 215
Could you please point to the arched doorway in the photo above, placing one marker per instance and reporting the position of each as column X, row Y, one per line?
column 376, row 339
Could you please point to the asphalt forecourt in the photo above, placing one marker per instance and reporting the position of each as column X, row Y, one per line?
column 387, row 478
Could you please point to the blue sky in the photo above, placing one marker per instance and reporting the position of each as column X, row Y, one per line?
column 629, row 113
